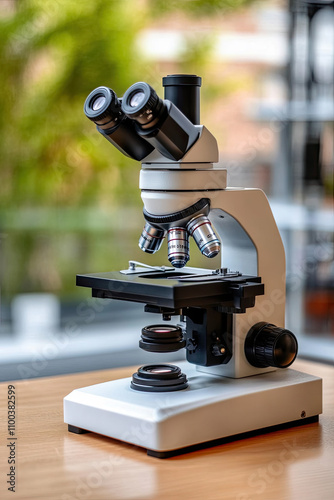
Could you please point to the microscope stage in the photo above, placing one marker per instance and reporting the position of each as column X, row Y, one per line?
column 174, row 288
column 210, row 409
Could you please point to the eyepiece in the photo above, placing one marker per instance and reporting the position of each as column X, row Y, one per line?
column 141, row 103
column 103, row 108
column 137, row 98
column 160, row 122
column 98, row 103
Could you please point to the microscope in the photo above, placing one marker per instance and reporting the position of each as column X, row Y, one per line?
column 234, row 382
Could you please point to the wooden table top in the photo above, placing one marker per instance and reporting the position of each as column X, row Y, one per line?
column 51, row 463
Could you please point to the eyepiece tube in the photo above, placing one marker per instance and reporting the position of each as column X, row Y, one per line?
column 142, row 104
column 151, row 238
column 201, row 230
column 104, row 109
column 184, row 92
column 159, row 122
column 178, row 246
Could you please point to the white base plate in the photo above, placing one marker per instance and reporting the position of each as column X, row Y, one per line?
column 212, row 407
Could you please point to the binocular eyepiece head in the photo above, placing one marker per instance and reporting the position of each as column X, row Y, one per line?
column 141, row 121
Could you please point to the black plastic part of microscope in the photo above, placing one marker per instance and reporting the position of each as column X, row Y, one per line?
column 177, row 216
column 76, row 430
column 207, row 305
column 209, row 336
column 161, row 289
column 125, row 138
column 159, row 122
column 269, row 345
column 165, row 311
column 162, row 338
column 111, row 122
column 103, row 107
column 142, row 104
column 184, row 92
column 159, row 378
column 173, row 135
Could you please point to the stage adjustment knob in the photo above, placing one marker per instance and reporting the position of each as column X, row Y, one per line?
column 268, row 345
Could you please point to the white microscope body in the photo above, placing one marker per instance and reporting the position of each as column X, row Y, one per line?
column 223, row 396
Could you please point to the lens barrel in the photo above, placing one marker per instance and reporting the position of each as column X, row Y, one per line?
column 151, row 238
column 104, row 109
column 178, row 246
column 160, row 122
column 201, row 230
column 184, row 92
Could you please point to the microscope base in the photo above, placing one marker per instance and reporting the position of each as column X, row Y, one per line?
column 210, row 411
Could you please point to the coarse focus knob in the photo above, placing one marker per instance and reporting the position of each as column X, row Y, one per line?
column 269, row 345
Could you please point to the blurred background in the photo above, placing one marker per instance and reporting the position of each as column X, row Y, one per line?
column 69, row 201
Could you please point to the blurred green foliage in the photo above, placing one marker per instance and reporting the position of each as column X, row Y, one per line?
column 198, row 7
column 53, row 53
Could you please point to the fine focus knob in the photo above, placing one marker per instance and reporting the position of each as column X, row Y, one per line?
column 268, row 345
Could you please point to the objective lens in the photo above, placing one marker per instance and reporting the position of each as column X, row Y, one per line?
column 151, row 238
column 98, row 103
column 201, row 230
column 178, row 246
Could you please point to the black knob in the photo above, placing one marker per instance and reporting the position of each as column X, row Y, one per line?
column 268, row 345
